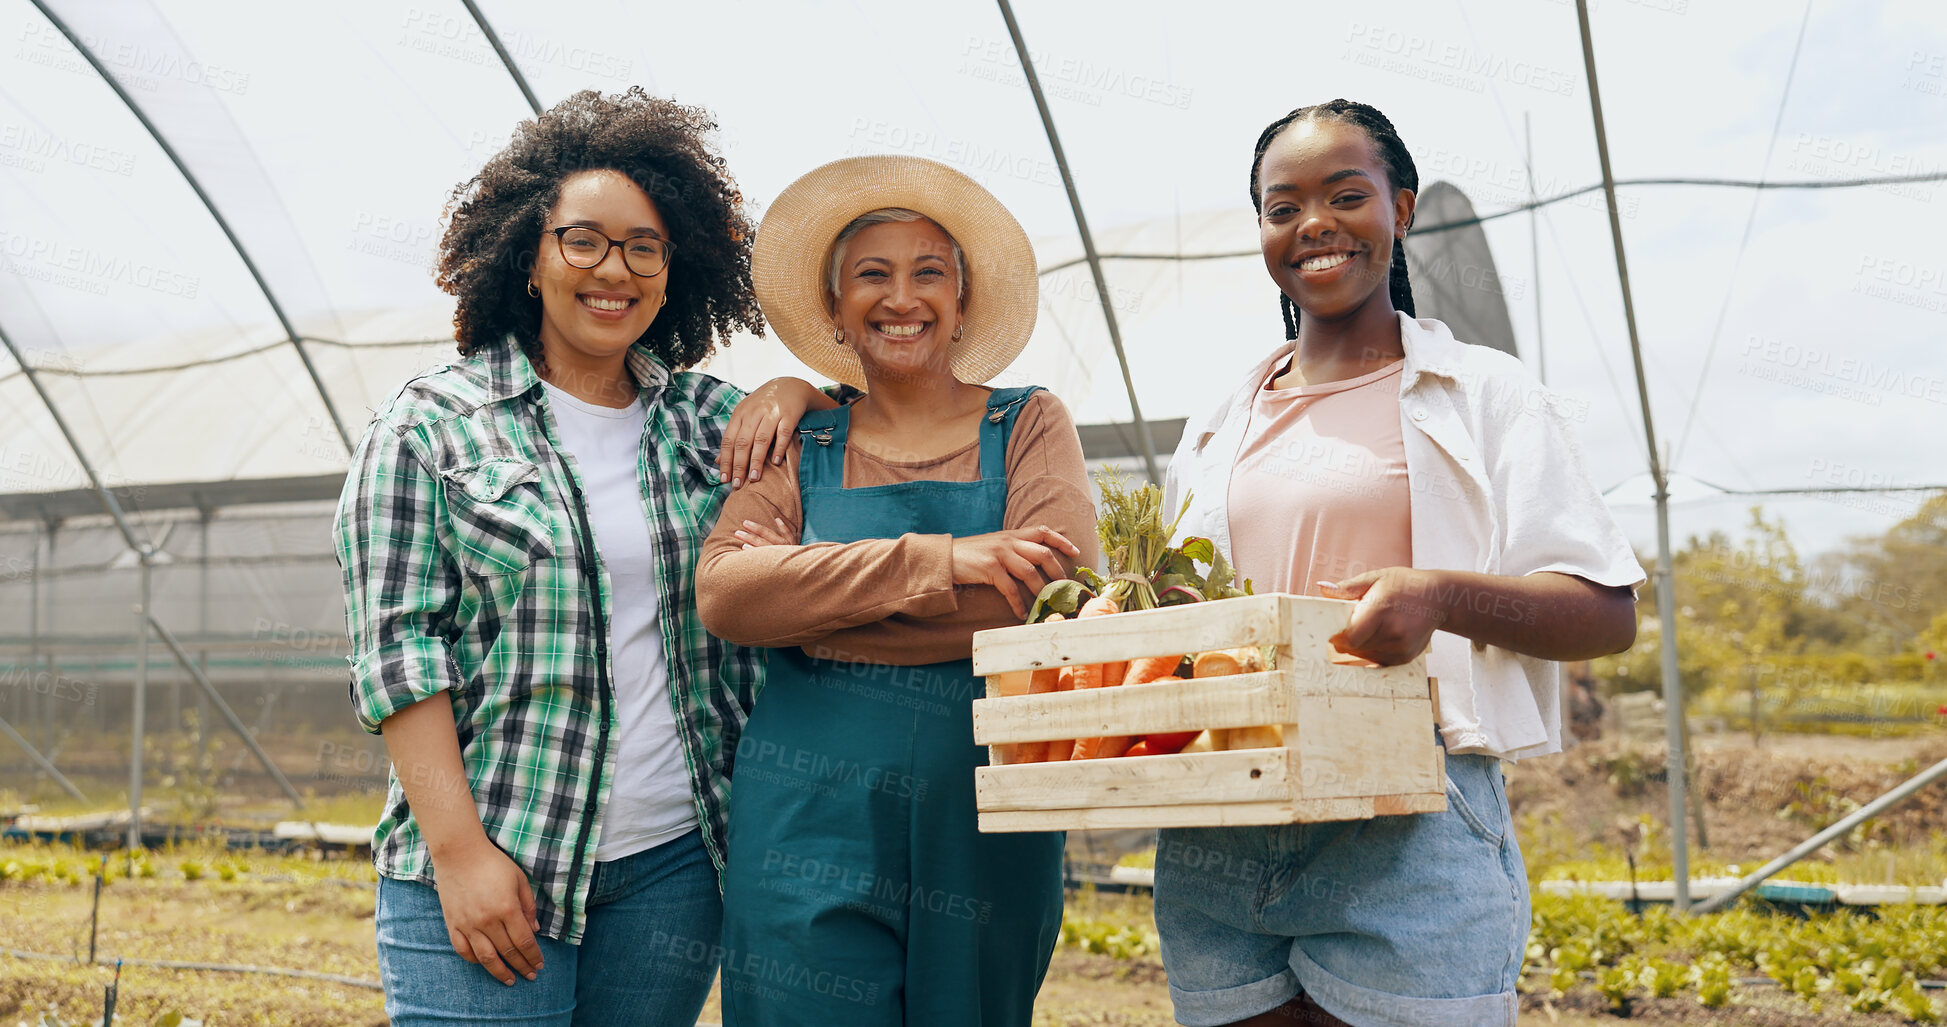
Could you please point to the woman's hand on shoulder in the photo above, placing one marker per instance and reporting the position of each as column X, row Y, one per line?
column 763, row 427
column 754, row 535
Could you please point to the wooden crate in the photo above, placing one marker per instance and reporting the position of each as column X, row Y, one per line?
column 1358, row 741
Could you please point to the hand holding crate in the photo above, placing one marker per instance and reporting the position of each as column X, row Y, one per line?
column 1357, row 741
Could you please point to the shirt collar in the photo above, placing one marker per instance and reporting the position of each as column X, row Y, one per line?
column 1430, row 349
column 511, row 374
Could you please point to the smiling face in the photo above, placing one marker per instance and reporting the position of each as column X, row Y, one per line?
column 1329, row 218
column 898, row 298
column 597, row 313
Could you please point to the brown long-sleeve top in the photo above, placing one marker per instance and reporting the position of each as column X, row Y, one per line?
column 893, row 600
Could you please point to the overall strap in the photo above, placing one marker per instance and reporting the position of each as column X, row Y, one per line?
column 1003, row 406
column 821, row 447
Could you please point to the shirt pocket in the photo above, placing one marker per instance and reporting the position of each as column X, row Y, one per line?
column 498, row 516
column 701, row 486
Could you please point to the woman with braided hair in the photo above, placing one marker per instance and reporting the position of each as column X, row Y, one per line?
column 1374, row 457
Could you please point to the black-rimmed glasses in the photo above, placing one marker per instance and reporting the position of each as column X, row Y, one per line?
column 645, row 255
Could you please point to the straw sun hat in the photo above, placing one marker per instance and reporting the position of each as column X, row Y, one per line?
column 793, row 250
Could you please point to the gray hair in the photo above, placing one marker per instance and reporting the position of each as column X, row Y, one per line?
column 885, row 216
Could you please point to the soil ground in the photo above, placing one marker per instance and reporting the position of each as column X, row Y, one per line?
column 1758, row 802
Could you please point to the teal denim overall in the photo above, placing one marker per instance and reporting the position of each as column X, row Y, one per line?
column 859, row 891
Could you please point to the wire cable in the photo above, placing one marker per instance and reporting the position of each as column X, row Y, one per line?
column 1448, row 226
column 1743, row 243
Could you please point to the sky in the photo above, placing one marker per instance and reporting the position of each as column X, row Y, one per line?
column 1792, row 339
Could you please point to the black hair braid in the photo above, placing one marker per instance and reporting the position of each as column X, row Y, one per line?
column 1397, row 285
column 1399, row 170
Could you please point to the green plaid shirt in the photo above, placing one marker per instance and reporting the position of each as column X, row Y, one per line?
column 470, row 568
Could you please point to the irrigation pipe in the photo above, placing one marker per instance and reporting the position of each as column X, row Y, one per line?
column 234, row 968
column 1818, row 841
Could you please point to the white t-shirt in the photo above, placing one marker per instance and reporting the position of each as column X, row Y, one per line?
column 649, row 797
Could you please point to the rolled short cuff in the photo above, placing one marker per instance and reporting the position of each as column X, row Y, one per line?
column 1220, row 1006
column 1355, row 1003
column 398, row 674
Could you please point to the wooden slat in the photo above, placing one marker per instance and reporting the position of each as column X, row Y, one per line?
column 1319, row 677
column 1248, row 776
column 1236, row 814
column 1360, row 745
column 1310, row 623
column 1225, row 624
column 1241, row 700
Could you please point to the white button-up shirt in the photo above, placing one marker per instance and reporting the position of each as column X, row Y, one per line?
column 1497, row 487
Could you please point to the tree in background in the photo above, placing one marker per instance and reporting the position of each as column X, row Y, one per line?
column 1741, row 609
column 1754, row 623
column 1889, row 589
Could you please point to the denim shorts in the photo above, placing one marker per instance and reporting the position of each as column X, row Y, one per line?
column 1414, row 919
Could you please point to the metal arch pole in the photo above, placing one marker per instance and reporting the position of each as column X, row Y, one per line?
column 1534, row 250
column 1088, row 240
column 507, row 59
column 1665, row 586
column 45, row 764
column 290, row 331
column 107, row 498
column 143, row 552
column 1810, row 845
column 216, row 699
column 139, row 709
column 33, row 624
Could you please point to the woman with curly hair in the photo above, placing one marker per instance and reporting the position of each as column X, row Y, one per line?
column 519, row 535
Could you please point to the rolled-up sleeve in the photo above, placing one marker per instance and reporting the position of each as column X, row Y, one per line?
column 1553, row 517
column 401, row 589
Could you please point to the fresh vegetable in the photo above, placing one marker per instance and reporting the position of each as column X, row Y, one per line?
column 1135, row 541
column 1042, row 681
column 1152, row 670
column 1223, row 663
column 1100, row 675
column 1144, row 572
column 1161, row 743
column 1145, row 669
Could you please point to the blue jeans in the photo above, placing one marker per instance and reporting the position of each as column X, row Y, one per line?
column 647, row 958
column 1394, row 921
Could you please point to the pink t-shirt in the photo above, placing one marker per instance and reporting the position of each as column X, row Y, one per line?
column 1319, row 490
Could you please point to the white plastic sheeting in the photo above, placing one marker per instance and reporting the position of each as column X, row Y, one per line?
column 328, row 136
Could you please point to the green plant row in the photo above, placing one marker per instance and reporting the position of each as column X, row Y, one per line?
column 1837, row 960
column 1108, row 937
column 66, row 865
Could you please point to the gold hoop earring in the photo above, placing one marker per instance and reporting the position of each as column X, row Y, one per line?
column 664, row 303
column 838, row 336
column 532, row 291
column 956, row 333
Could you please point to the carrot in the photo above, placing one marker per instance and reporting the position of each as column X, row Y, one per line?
column 1148, row 670
column 1100, row 675
column 1062, row 750
column 1037, row 752
column 1042, row 681
column 1151, row 668
column 1163, row 742
column 1225, row 662
column 1167, row 744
